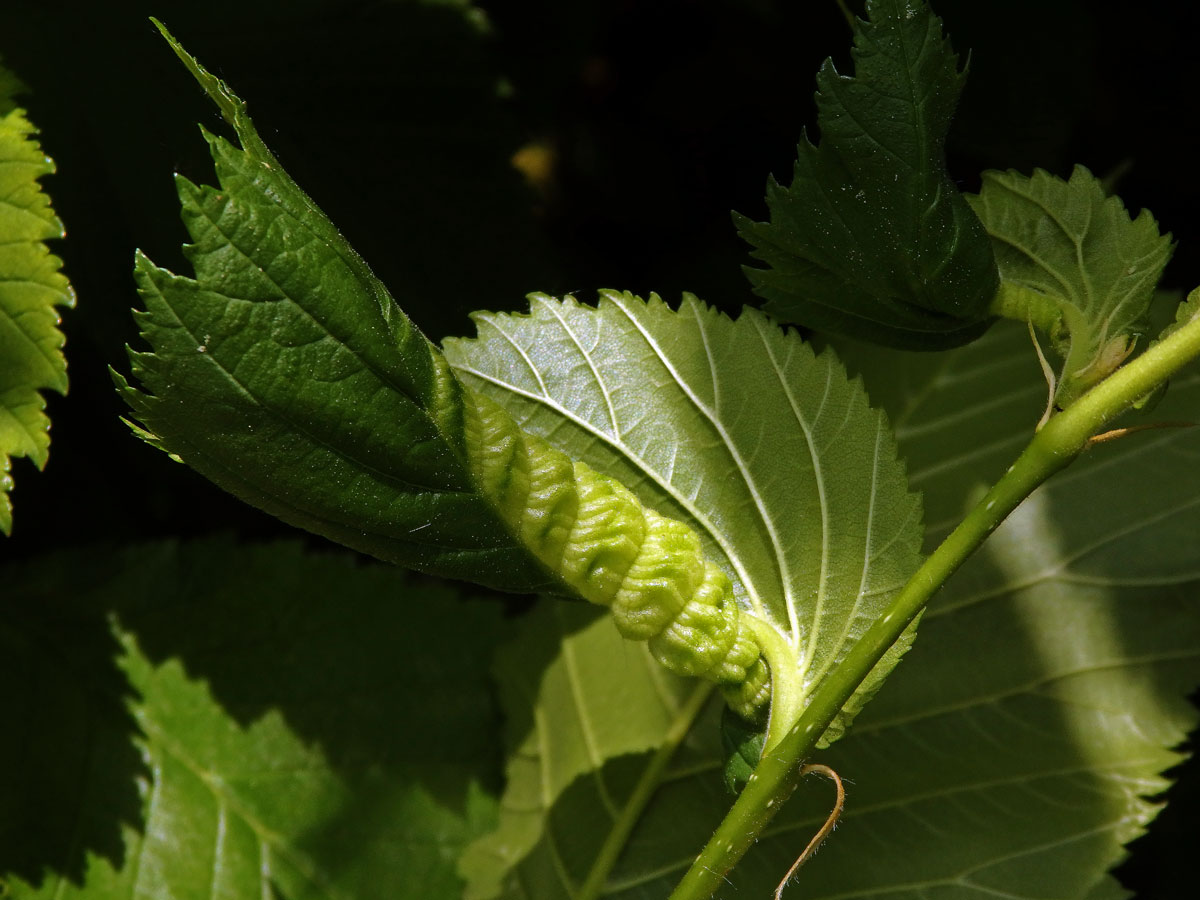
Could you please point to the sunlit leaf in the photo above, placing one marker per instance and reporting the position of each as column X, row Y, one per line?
column 31, row 287
column 771, row 454
column 1024, row 739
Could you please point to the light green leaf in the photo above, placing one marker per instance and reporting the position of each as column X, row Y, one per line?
column 31, row 287
column 768, row 451
column 285, row 373
column 872, row 239
column 1075, row 264
column 294, row 725
column 587, row 739
column 1024, row 739
column 961, row 417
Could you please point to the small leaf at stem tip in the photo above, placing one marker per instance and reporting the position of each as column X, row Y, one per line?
column 1075, row 265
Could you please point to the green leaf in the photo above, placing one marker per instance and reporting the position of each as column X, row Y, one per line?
column 872, row 239
column 31, row 286
column 768, row 451
column 1184, row 313
column 961, row 416
column 587, row 739
column 1024, row 740
column 285, row 373
column 1073, row 263
column 264, row 703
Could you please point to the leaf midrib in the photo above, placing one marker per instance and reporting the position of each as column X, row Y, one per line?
column 403, row 485
column 668, row 487
column 300, row 862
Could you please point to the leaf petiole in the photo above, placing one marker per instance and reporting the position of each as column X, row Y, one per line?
column 787, row 693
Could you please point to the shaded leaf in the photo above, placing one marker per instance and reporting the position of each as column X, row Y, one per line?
column 31, row 287
column 583, row 736
column 1075, row 264
column 872, row 239
column 1185, row 312
column 278, row 743
column 767, row 450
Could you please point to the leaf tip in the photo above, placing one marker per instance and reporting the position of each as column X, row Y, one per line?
column 230, row 105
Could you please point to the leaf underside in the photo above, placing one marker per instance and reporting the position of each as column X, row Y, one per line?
column 1015, row 750
column 1075, row 264
column 583, row 733
column 767, row 450
column 872, row 239
column 31, row 287
column 240, row 723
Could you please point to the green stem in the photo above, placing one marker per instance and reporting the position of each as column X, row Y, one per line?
column 643, row 791
column 787, row 693
column 1055, row 446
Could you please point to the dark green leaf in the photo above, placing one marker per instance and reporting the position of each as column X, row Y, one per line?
column 743, row 745
column 285, row 373
column 872, row 239
column 31, row 286
column 204, row 720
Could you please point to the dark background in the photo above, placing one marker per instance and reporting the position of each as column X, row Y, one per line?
column 400, row 119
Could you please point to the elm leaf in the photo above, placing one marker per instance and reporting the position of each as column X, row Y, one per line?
column 765, row 448
column 1075, row 264
column 31, row 287
column 872, row 239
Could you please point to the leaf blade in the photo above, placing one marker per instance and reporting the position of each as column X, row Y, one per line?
column 872, row 239
column 1075, row 264
column 285, row 373
column 1026, row 738
column 251, row 679
column 562, row 731
column 731, row 427
column 31, row 288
